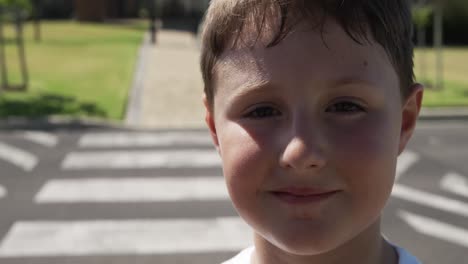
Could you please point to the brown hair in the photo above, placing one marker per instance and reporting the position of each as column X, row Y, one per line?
column 389, row 22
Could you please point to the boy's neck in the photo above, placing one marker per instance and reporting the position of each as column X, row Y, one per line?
column 369, row 247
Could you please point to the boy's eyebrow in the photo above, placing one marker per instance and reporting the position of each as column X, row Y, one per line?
column 351, row 80
column 255, row 86
column 261, row 84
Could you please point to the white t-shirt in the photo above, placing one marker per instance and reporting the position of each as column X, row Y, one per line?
column 245, row 256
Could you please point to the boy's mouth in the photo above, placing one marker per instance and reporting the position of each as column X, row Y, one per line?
column 294, row 195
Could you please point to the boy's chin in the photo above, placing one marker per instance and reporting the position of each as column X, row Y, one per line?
column 320, row 240
column 303, row 246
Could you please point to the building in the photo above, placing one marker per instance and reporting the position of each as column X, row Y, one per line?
column 98, row 10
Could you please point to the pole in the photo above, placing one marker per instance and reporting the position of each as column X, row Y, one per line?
column 421, row 6
column 37, row 6
column 152, row 16
column 3, row 67
column 438, row 42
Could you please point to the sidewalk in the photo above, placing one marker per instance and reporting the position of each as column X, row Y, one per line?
column 168, row 89
column 168, row 92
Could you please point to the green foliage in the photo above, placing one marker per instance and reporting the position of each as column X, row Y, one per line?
column 25, row 4
column 25, row 7
column 143, row 13
column 422, row 15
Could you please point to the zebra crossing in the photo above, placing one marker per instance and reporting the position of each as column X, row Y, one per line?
column 447, row 196
column 98, row 159
column 160, row 197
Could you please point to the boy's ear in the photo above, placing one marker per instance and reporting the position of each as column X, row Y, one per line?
column 410, row 114
column 209, row 119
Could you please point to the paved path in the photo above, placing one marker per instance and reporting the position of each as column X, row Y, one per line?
column 171, row 89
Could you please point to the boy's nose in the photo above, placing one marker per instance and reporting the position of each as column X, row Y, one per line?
column 302, row 153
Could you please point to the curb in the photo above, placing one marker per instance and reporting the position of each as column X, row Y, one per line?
column 60, row 123
column 65, row 123
column 133, row 112
column 444, row 113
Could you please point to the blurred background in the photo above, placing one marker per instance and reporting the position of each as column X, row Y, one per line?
column 78, row 58
column 104, row 157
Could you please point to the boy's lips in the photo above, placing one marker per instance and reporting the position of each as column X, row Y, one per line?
column 294, row 195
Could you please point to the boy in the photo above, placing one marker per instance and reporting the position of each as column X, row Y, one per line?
column 309, row 104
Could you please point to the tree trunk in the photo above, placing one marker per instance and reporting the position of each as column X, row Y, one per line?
column 438, row 43
column 21, row 52
column 422, row 55
column 37, row 7
column 3, row 66
column 152, row 20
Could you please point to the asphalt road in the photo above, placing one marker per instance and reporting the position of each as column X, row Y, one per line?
column 112, row 196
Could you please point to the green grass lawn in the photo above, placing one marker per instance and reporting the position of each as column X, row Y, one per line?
column 455, row 90
column 77, row 69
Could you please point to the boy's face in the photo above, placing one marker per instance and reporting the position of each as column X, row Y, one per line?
column 309, row 137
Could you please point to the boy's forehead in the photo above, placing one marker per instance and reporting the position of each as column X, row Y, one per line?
column 303, row 43
column 241, row 67
column 328, row 58
column 249, row 46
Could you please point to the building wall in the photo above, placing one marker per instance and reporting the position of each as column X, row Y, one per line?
column 98, row 10
column 181, row 7
column 90, row 10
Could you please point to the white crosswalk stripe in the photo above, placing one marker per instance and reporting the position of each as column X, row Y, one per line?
column 405, row 161
column 159, row 139
column 431, row 200
column 133, row 190
column 455, row 183
column 3, row 192
column 81, row 238
column 18, row 157
column 45, row 139
column 141, row 159
column 434, row 228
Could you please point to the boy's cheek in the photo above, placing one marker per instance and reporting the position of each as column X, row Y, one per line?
column 243, row 156
column 373, row 143
column 367, row 156
column 245, row 177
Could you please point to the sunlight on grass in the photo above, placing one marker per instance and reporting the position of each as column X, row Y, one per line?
column 91, row 63
column 455, row 91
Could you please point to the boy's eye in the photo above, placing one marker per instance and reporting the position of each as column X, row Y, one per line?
column 345, row 107
column 263, row 112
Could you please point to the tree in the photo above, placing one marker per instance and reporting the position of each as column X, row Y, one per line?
column 22, row 4
column 18, row 9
